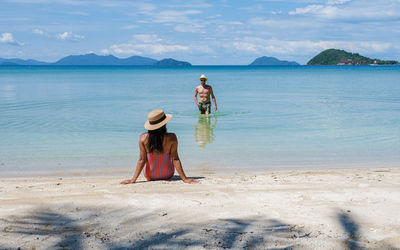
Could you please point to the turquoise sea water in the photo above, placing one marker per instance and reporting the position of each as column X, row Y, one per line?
column 90, row 118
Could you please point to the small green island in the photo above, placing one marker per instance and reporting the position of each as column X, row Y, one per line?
column 171, row 62
column 341, row 57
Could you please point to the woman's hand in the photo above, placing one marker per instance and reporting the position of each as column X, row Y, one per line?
column 190, row 181
column 130, row 181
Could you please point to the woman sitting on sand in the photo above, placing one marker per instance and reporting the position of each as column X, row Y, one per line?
column 158, row 151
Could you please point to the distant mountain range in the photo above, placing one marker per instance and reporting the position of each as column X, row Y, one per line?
column 93, row 59
column 110, row 60
column 97, row 60
column 326, row 57
column 271, row 61
column 17, row 61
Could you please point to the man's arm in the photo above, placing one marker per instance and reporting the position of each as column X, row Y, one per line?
column 195, row 97
column 213, row 98
column 140, row 163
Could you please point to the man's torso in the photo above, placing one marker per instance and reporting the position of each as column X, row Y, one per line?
column 204, row 93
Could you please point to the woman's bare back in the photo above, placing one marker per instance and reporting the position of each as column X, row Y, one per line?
column 168, row 143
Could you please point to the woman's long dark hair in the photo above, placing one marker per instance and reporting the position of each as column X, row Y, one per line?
column 156, row 138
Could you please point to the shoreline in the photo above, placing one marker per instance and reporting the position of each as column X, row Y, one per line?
column 352, row 208
column 121, row 172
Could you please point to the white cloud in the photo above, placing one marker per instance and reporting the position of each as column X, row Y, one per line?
column 234, row 23
column 67, row 2
column 207, row 26
column 190, row 28
column 353, row 10
column 78, row 13
column 9, row 39
column 215, row 16
column 152, row 44
column 146, row 38
column 69, row 36
column 144, row 6
column 139, row 6
column 129, row 27
column 282, row 23
column 172, row 16
column 276, row 12
column 274, row 46
column 38, row 32
column 313, row 9
column 105, row 52
column 192, row 4
column 105, row 3
column 333, row 2
column 139, row 49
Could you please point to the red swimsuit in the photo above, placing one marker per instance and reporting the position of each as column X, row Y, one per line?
column 158, row 167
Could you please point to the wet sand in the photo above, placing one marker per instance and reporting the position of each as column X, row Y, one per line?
column 338, row 209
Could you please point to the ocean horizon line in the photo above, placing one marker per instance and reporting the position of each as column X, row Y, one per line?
column 200, row 65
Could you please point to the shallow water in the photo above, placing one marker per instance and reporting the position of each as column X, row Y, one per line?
column 90, row 118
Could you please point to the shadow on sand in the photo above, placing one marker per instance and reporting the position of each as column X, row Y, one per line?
column 353, row 238
column 175, row 178
column 45, row 225
column 94, row 228
column 107, row 228
column 351, row 229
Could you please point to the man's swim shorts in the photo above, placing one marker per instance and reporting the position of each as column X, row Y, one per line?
column 205, row 106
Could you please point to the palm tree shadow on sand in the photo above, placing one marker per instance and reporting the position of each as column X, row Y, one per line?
column 63, row 231
column 351, row 228
column 353, row 239
column 108, row 228
column 91, row 228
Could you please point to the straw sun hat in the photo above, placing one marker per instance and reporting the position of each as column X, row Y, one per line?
column 203, row 77
column 156, row 119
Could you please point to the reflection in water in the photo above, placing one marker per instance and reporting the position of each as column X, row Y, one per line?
column 204, row 131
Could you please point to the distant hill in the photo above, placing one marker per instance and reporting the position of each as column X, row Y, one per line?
column 171, row 62
column 270, row 61
column 341, row 57
column 17, row 61
column 8, row 64
column 138, row 60
column 93, row 59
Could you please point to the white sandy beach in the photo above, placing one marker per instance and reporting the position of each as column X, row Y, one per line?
column 335, row 209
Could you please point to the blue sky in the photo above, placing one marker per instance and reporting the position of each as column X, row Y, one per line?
column 199, row 31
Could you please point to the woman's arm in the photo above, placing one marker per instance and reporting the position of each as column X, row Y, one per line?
column 177, row 162
column 140, row 163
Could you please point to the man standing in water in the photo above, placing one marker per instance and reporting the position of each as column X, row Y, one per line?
column 204, row 91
